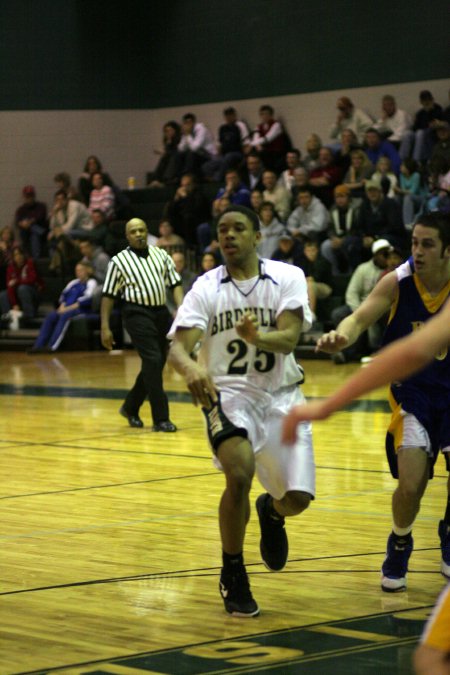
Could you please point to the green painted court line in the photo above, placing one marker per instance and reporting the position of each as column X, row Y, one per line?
column 378, row 405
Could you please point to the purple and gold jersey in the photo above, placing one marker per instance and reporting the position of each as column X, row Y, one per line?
column 413, row 307
column 425, row 395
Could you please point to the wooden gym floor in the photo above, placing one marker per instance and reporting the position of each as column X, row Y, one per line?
column 110, row 549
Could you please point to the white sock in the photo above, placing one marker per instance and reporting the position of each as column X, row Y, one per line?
column 401, row 531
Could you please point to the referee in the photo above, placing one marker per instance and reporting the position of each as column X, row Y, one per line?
column 139, row 275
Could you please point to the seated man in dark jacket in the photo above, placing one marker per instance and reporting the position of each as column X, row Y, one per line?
column 187, row 210
column 380, row 218
column 342, row 248
column 317, row 271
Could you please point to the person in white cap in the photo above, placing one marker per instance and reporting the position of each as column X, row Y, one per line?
column 361, row 283
column 420, row 425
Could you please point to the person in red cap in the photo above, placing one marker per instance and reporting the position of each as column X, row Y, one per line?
column 31, row 222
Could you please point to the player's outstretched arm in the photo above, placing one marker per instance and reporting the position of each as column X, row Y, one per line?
column 197, row 379
column 395, row 362
column 370, row 310
column 332, row 342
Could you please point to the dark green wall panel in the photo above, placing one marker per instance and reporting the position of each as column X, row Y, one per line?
column 87, row 54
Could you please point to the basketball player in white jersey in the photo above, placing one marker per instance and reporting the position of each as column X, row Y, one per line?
column 248, row 314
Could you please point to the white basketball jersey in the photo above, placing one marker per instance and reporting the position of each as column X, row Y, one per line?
column 216, row 302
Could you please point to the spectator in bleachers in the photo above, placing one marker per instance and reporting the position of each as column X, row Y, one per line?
column 256, row 200
column 394, row 124
column 23, row 285
column 325, row 178
column 301, row 179
column 375, row 147
column 289, row 250
column 6, row 250
column 277, row 194
column 361, row 169
column 409, row 192
column 234, row 189
column 151, row 239
column 99, row 232
column 187, row 279
column 187, row 275
column 69, row 221
column 444, row 176
column 310, row 218
column 96, row 257
column 75, row 299
column 208, row 263
column 317, row 271
column 384, row 176
column 440, row 153
column 446, row 111
column 342, row 248
column 188, row 208
column 252, row 172
column 196, row 145
column 380, row 218
column 64, row 182
column 342, row 157
column 92, row 165
column 270, row 140
column 435, row 198
column 349, row 117
column 115, row 239
column 31, row 223
column 167, row 171
column 271, row 230
column 311, row 159
column 102, row 197
column 207, row 232
column 232, row 138
column 442, row 197
column 68, row 217
column 168, row 239
column 395, row 258
column 287, row 177
column 419, row 141
column 363, row 280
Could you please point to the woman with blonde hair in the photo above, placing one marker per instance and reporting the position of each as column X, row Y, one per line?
column 361, row 169
column 384, row 176
column 311, row 159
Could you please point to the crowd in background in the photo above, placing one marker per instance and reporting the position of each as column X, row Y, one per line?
column 325, row 208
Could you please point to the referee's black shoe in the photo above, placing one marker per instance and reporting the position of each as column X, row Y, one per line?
column 167, row 426
column 274, row 542
column 133, row 420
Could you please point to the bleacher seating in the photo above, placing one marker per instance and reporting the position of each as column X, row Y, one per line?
column 84, row 331
column 149, row 203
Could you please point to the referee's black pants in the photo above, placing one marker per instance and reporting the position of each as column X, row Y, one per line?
column 148, row 327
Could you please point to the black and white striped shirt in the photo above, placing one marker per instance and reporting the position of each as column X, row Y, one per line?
column 141, row 280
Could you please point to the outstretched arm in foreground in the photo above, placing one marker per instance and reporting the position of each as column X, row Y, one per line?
column 395, row 362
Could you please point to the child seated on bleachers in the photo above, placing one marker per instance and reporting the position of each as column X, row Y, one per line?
column 75, row 299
